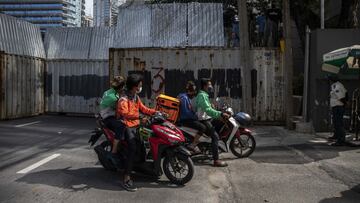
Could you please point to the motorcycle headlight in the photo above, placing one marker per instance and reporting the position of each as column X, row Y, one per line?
column 172, row 141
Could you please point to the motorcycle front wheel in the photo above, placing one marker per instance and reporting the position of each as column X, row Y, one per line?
column 179, row 169
column 243, row 145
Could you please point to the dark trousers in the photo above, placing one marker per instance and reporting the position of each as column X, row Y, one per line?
column 195, row 124
column 210, row 131
column 338, row 122
column 131, row 150
column 115, row 125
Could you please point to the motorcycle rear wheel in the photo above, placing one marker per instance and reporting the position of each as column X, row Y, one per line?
column 238, row 145
column 177, row 164
column 103, row 157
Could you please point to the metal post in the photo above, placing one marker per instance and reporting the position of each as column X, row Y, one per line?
column 306, row 75
column 288, row 61
column 244, row 56
column 322, row 10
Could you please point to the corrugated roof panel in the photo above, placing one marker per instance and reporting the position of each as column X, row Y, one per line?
column 102, row 39
column 79, row 43
column 54, row 42
column 20, row 37
column 205, row 24
column 133, row 27
column 168, row 25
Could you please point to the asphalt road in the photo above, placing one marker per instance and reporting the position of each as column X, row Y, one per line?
column 286, row 167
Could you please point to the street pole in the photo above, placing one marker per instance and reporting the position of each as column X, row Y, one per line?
column 306, row 75
column 322, row 10
column 244, row 56
column 288, row 64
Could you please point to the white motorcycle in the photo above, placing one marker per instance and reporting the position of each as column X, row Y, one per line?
column 233, row 134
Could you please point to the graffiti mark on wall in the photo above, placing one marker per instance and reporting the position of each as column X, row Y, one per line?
column 158, row 80
column 227, row 82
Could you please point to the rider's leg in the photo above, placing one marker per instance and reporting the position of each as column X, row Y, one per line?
column 197, row 125
column 118, row 128
column 214, row 143
column 131, row 143
column 214, row 139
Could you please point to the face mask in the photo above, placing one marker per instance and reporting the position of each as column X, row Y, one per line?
column 138, row 92
column 210, row 89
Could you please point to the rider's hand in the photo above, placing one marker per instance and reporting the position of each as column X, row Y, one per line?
column 144, row 121
column 225, row 116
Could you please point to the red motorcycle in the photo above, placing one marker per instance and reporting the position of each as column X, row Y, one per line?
column 158, row 140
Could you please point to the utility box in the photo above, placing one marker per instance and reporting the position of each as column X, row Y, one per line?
column 169, row 105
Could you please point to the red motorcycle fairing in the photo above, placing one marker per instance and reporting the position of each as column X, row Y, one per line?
column 109, row 134
column 242, row 131
column 155, row 143
column 164, row 132
column 165, row 135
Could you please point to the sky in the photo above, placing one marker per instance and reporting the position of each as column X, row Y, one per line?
column 89, row 7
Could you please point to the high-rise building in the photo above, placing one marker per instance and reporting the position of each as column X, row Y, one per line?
column 46, row 13
column 87, row 21
column 105, row 12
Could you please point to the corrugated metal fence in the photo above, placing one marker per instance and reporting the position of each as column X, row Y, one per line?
column 21, row 69
column 168, row 70
column 170, row 25
column 77, row 68
column 74, row 86
column 79, row 43
column 20, row 37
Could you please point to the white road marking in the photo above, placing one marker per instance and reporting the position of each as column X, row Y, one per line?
column 37, row 164
column 26, row 124
column 319, row 141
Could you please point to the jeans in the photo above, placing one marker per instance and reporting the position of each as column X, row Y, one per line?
column 210, row 131
column 338, row 122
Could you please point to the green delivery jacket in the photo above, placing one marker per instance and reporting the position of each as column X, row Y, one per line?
column 203, row 107
column 108, row 103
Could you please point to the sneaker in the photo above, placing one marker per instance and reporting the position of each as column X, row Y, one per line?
column 218, row 163
column 129, row 186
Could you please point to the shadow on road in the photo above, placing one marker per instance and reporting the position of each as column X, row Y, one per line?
column 351, row 195
column 297, row 154
column 85, row 178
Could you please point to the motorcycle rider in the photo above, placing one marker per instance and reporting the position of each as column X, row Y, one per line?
column 188, row 116
column 128, row 109
column 107, row 111
column 205, row 112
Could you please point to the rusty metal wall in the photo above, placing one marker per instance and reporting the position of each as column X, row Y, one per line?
column 168, row 70
column 267, row 85
column 75, row 86
column 21, row 86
